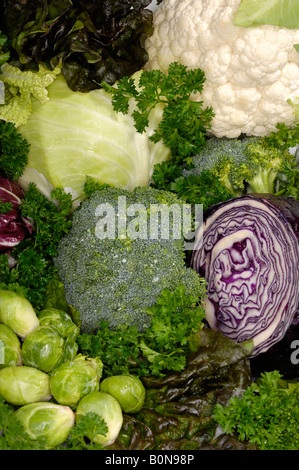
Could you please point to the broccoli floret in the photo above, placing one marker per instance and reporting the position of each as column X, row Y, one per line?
column 118, row 275
column 243, row 165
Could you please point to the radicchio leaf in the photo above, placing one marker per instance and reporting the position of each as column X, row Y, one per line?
column 13, row 227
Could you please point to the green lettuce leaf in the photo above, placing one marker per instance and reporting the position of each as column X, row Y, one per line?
column 273, row 12
column 21, row 87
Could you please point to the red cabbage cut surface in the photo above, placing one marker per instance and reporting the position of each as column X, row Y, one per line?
column 13, row 227
column 249, row 255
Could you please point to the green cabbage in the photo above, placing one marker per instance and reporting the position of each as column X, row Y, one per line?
column 283, row 13
column 74, row 135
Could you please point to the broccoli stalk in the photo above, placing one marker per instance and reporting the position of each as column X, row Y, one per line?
column 263, row 181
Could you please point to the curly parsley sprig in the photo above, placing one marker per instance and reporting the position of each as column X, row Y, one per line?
column 267, row 414
column 14, row 150
column 163, row 347
column 33, row 257
column 184, row 121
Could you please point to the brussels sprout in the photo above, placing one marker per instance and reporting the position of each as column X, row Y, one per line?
column 108, row 408
column 70, row 350
column 45, row 349
column 22, row 385
column 10, row 347
column 17, row 313
column 127, row 389
column 72, row 380
column 49, row 421
column 61, row 321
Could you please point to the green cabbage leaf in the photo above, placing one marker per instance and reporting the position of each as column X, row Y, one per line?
column 74, row 135
column 283, row 13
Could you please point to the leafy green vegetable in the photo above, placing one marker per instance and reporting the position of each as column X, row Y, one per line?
column 5, row 207
column 14, row 151
column 284, row 138
column 287, row 182
column 12, row 431
column 206, row 189
column 4, row 52
column 184, row 122
column 178, row 408
column 118, row 349
column 34, row 255
column 163, row 346
column 14, row 437
column 275, row 12
column 94, row 40
column 21, row 88
column 74, row 135
column 175, row 318
column 267, row 414
column 90, row 424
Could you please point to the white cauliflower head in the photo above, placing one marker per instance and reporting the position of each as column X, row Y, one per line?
column 251, row 73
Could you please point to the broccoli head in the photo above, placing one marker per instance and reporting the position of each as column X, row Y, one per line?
column 243, row 165
column 121, row 253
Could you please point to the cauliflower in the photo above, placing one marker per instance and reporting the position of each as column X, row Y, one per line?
column 251, row 73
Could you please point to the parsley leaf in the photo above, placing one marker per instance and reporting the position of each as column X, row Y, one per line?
column 163, row 346
column 284, row 137
column 5, row 207
column 267, row 414
column 184, row 121
column 33, row 257
column 12, row 432
column 14, row 150
column 83, row 434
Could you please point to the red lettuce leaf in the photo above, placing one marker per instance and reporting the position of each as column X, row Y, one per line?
column 178, row 409
column 95, row 40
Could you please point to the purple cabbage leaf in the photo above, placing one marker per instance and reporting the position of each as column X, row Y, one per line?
column 248, row 252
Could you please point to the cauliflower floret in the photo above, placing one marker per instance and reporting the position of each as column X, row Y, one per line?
column 251, row 73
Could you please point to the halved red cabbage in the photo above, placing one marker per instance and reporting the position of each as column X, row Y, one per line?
column 13, row 227
column 249, row 255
